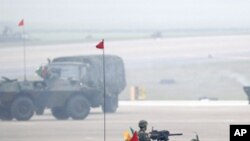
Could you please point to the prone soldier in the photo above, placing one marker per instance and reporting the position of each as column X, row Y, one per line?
column 155, row 134
column 142, row 135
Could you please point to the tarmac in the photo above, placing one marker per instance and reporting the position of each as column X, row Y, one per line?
column 201, row 66
column 181, row 68
column 210, row 119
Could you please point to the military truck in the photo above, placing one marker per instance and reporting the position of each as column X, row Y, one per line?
column 70, row 86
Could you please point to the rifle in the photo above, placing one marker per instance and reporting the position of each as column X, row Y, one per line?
column 162, row 135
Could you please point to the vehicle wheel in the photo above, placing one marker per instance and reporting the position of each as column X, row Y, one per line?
column 78, row 107
column 22, row 108
column 59, row 113
column 5, row 114
column 111, row 104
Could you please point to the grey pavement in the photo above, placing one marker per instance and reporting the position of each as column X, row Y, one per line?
column 210, row 122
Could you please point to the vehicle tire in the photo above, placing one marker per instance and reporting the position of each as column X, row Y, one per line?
column 78, row 107
column 111, row 104
column 5, row 114
column 59, row 113
column 22, row 108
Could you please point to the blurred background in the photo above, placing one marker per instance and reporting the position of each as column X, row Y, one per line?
column 186, row 62
column 84, row 20
column 173, row 50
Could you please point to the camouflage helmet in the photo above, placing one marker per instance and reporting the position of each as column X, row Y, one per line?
column 143, row 124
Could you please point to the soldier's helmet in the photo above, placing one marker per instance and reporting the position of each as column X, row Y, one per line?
column 143, row 124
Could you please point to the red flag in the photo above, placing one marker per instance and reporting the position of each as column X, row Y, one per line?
column 100, row 45
column 135, row 137
column 21, row 23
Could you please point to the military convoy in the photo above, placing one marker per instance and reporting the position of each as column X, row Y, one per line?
column 70, row 86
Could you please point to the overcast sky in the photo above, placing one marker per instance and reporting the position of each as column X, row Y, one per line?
column 127, row 14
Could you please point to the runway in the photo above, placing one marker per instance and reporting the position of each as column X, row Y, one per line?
column 210, row 119
column 214, row 67
column 205, row 66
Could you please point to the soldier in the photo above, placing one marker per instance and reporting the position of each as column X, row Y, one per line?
column 143, row 136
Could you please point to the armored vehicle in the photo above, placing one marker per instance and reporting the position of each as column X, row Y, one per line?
column 247, row 91
column 70, row 87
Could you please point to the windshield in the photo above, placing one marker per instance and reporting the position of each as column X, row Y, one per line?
column 65, row 71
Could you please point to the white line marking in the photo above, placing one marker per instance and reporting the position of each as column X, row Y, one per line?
column 185, row 103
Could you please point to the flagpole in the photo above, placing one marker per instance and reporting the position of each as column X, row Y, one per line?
column 104, row 92
column 24, row 55
column 100, row 45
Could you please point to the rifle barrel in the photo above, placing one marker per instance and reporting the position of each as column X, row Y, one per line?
column 176, row 134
